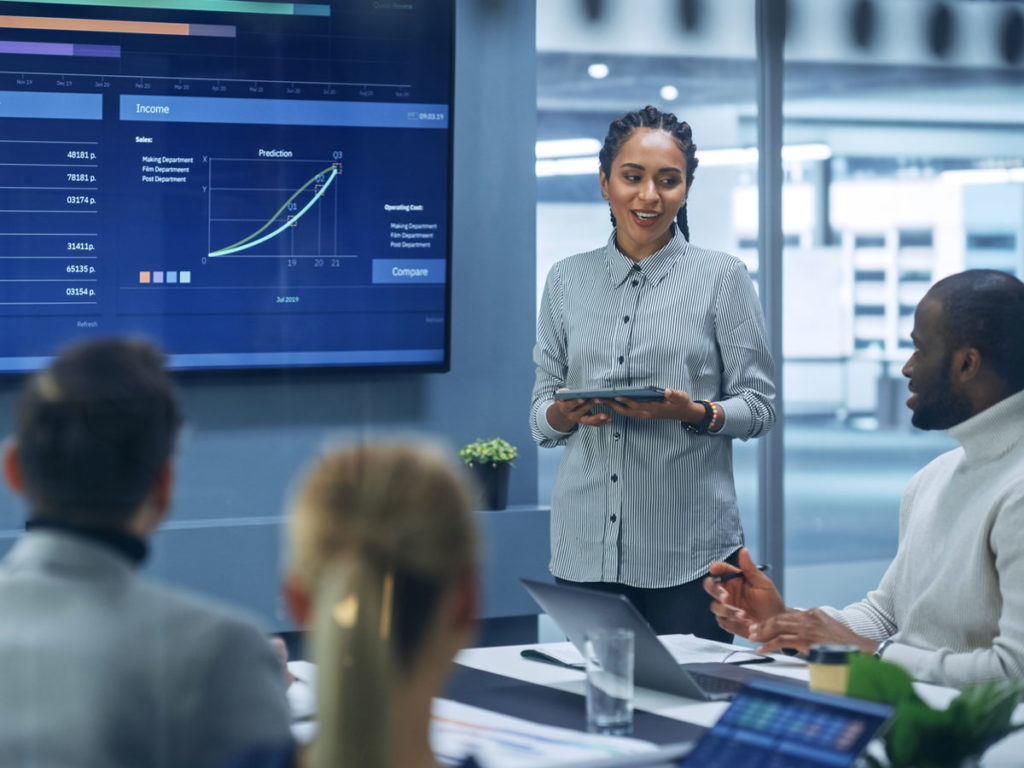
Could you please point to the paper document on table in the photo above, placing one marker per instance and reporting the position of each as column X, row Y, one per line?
column 689, row 649
column 501, row 741
column 302, row 700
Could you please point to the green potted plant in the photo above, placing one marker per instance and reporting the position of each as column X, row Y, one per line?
column 490, row 461
column 922, row 737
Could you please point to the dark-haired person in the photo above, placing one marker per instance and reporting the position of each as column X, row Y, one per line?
column 645, row 499
column 950, row 607
column 101, row 667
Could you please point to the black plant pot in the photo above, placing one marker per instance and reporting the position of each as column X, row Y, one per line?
column 492, row 482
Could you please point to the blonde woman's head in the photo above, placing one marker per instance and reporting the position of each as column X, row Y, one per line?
column 383, row 561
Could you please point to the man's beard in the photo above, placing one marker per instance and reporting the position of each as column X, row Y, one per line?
column 943, row 408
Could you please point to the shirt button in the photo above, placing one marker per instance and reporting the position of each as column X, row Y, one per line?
column 615, row 478
column 613, row 518
column 625, row 319
column 621, row 359
column 617, row 435
column 636, row 283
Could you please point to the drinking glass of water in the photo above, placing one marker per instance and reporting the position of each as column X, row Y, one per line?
column 609, row 657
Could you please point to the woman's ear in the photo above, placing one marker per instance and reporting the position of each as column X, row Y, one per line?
column 466, row 601
column 297, row 599
column 604, row 184
column 12, row 467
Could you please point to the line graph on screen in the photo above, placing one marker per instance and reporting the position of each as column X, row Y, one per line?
column 273, row 208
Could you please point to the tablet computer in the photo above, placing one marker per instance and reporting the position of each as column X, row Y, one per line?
column 610, row 393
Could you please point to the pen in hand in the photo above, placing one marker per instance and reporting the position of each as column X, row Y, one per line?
column 735, row 574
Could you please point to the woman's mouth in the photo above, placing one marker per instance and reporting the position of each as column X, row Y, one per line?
column 645, row 218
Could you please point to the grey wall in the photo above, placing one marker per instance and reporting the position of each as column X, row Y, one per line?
column 250, row 432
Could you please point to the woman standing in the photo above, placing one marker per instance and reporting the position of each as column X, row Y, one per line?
column 645, row 499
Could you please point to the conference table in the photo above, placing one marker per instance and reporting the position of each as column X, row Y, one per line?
column 501, row 680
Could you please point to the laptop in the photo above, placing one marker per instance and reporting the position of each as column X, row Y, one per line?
column 576, row 610
column 769, row 724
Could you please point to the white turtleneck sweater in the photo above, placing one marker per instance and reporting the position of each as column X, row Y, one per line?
column 953, row 598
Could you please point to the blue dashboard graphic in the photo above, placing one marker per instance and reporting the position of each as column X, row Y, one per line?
column 251, row 184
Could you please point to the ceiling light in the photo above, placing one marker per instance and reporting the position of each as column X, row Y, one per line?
column 568, row 166
column 568, row 147
column 737, row 156
column 791, row 153
column 669, row 93
column 598, row 71
column 983, row 176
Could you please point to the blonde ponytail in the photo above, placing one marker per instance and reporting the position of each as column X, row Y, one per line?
column 379, row 533
column 356, row 674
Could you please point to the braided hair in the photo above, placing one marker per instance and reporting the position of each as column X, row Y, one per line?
column 651, row 117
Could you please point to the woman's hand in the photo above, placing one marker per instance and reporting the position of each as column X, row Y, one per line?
column 676, row 406
column 564, row 415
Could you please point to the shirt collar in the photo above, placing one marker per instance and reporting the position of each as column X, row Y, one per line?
column 993, row 432
column 655, row 267
column 131, row 547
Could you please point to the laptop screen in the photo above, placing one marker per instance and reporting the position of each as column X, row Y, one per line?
column 770, row 724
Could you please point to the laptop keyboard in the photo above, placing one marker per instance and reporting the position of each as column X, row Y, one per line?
column 713, row 684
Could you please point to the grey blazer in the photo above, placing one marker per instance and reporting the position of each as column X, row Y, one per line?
column 101, row 667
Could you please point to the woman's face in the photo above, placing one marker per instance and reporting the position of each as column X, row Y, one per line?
column 646, row 188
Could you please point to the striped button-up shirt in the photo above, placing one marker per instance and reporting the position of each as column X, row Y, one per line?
column 645, row 502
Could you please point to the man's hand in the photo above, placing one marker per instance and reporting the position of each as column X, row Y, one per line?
column 744, row 601
column 677, row 406
column 801, row 629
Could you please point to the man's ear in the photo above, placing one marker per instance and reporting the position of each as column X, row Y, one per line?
column 164, row 488
column 160, row 497
column 966, row 364
column 156, row 505
column 297, row 600
column 12, row 467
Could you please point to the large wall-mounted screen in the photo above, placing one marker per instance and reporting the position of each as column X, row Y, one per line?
column 252, row 184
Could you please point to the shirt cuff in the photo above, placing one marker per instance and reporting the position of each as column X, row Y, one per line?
column 908, row 657
column 545, row 428
column 738, row 418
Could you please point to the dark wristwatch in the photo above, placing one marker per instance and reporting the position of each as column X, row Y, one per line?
column 702, row 427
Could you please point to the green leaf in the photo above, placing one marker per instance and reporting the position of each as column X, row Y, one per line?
column 494, row 450
column 877, row 680
column 984, row 711
column 922, row 737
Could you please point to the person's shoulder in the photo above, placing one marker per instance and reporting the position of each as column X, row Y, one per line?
column 942, row 465
column 192, row 613
column 719, row 261
column 572, row 271
column 579, row 262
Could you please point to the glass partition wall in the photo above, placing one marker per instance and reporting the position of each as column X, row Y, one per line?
column 918, row 113
column 903, row 161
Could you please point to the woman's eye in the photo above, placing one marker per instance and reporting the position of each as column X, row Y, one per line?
column 631, row 177
column 671, row 181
